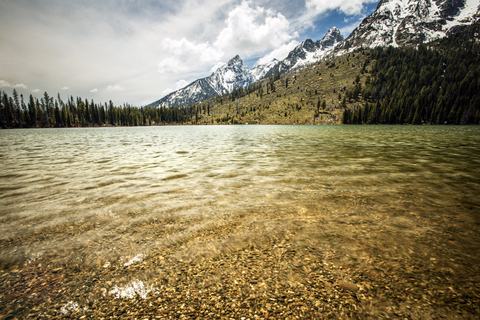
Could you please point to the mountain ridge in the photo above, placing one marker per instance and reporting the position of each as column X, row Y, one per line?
column 229, row 76
column 407, row 22
column 394, row 22
column 234, row 74
column 309, row 52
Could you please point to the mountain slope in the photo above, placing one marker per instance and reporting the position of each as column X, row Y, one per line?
column 404, row 22
column 231, row 75
column 434, row 84
column 234, row 74
column 430, row 84
column 308, row 52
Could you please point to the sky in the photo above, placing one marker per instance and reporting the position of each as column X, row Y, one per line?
column 137, row 51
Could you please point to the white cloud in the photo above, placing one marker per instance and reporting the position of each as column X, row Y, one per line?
column 94, row 90
column 65, row 88
column 203, row 51
column 36, row 90
column 6, row 84
column 349, row 7
column 280, row 53
column 171, row 64
column 115, row 88
column 216, row 66
column 254, row 29
column 181, row 84
column 167, row 91
column 248, row 30
column 346, row 30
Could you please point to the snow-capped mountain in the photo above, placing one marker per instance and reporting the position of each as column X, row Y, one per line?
column 260, row 70
column 308, row 52
column 231, row 75
column 404, row 22
column 234, row 74
column 394, row 22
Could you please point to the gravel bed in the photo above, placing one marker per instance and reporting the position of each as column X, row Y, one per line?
column 289, row 268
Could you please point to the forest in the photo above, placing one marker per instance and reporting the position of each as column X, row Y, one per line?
column 48, row 112
column 434, row 83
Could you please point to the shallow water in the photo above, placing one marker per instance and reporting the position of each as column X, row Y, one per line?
column 103, row 194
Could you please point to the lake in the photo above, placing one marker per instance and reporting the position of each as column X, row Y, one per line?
column 103, row 200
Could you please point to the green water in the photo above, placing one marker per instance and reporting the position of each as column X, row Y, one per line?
column 94, row 195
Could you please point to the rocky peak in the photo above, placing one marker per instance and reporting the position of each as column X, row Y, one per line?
column 449, row 8
column 405, row 22
column 229, row 76
column 235, row 61
column 309, row 45
column 308, row 52
column 333, row 37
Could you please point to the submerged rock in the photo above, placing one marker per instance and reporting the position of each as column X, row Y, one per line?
column 347, row 285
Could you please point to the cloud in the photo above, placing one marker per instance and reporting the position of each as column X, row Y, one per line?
column 181, row 84
column 6, row 84
column 280, row 53
column 65, row 88
column 94, row 90
column 349, row 7
column 167, row 91
column 254, row 29
column 248, row 30
column 203, row 51
column 216, row 66
column 171, row 64
column 115, row 88
column 36, row 90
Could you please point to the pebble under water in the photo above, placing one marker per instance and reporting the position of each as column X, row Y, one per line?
column 239, row 222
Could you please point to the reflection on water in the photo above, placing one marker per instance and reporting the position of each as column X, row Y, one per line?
column 75, row 192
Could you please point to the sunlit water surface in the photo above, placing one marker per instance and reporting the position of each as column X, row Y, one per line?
column 100, row 194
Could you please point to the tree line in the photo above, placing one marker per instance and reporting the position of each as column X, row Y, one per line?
column 49, row 112
column 434, row 83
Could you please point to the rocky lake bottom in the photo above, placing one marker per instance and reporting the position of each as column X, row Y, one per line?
column 360, row 230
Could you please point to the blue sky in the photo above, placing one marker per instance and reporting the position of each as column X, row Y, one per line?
column 346, row 23
column 137, row 51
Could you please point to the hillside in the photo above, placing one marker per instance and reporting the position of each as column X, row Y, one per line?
column 313, row 95
column 434, row 84
column 396, row 23
column 235, row 74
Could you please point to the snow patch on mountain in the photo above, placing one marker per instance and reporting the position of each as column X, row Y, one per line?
column 234, row 74
column 227, row 77
column 403, row 22
column 260, row 70
column 465, row 15
column 309, row 52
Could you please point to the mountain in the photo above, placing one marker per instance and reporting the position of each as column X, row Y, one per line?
column 259, row 71
column 308, row 52
column 394, row 22
column 403, row 22
column 234, row 74
column 231, row 75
